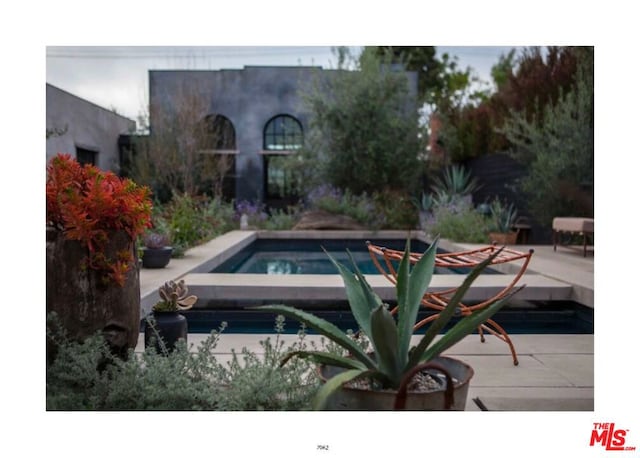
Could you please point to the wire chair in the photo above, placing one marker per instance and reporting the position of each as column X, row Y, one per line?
column 383, row 258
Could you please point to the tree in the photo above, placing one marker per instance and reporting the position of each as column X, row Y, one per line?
column 441, row 84
column 363, row 128
column 525, row 84
column 179, row 155
column 556, row 142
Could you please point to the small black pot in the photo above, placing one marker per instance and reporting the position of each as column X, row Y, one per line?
column 156, row 258
column 171, row 326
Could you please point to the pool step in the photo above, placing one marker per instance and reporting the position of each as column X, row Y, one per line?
column 330, row 287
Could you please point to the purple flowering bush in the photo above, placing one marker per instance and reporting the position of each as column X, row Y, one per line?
column 255, row 212
column 361, row 208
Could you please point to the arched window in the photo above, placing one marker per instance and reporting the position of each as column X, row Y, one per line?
column 282, row 136
column 219, row 133
column 217, row 140
column 283, row 133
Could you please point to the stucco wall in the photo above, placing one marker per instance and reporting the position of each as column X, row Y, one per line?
column 88, row 126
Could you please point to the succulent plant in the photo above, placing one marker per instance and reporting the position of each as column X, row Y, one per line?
column 393, row 363
column 503, row 216
column 156, row 240
column 174, row 297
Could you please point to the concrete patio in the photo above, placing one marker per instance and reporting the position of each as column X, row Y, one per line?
column 556, row 372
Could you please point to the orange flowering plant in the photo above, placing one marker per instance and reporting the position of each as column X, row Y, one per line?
column 87, row 204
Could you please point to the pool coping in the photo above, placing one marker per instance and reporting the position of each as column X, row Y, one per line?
column 199, row 261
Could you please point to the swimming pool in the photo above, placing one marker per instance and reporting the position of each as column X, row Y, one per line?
column 307, row 257
column 520, row 317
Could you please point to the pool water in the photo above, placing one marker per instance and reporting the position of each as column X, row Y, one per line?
column 305, row 257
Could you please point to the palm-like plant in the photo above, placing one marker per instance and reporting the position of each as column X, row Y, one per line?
column 393, row 363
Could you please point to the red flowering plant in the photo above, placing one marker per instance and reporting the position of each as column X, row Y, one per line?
column 87, row 204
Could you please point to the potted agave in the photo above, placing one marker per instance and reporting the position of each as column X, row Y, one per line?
column 157, row 250
column 166, row 325
column 502, row 218
column 395, row 375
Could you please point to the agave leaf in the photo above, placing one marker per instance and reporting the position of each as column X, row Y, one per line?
column 411, row 292
column 465, row 326
column 361, row 305
column 325, row 328
column 333, row 384
column 448, row 312
column 384, row 337
column 320, row 357
column 372, row 298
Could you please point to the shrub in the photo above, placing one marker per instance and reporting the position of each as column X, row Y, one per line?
column 363, row 133
column 85, row 376
column 459, row 222
column 361, row 208
column 281, row 220
column 190, row 221
column 396, row 209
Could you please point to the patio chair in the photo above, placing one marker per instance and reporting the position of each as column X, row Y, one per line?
column 572, row 225
column 461, row 259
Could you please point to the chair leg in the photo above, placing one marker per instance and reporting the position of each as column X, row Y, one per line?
column 500, row 333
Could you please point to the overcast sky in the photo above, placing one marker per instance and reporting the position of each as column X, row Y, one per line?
column 117, row 77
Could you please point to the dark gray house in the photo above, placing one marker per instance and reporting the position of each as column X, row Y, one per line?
column 87, row 131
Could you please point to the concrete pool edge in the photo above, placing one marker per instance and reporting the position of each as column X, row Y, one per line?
column 194, row 268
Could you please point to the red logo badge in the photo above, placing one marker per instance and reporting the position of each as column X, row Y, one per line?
column 606, row 435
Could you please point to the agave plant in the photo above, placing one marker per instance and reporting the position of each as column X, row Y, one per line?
column 393, row 362
column 503, row 216
column 456, row 181
column 174, row 297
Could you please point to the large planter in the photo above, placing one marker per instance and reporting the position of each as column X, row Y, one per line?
column 348, row 398
column 170, row 326
column 83, row 303
column 156, row 258
column 503, row 238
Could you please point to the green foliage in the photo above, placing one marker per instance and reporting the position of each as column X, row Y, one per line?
column 256, row 382
column 361, row 208
column 503, row 69
column 282, row 220
column 460, row 223
column 396, row 210
column 363, row 132
column 85, row 376
column 191, row 221
column 456, row 181
column 392, row 358
column 503, row 216
column 558, row 150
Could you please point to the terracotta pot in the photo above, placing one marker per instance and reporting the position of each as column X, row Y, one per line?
column 503, row 238
column 347, row 398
